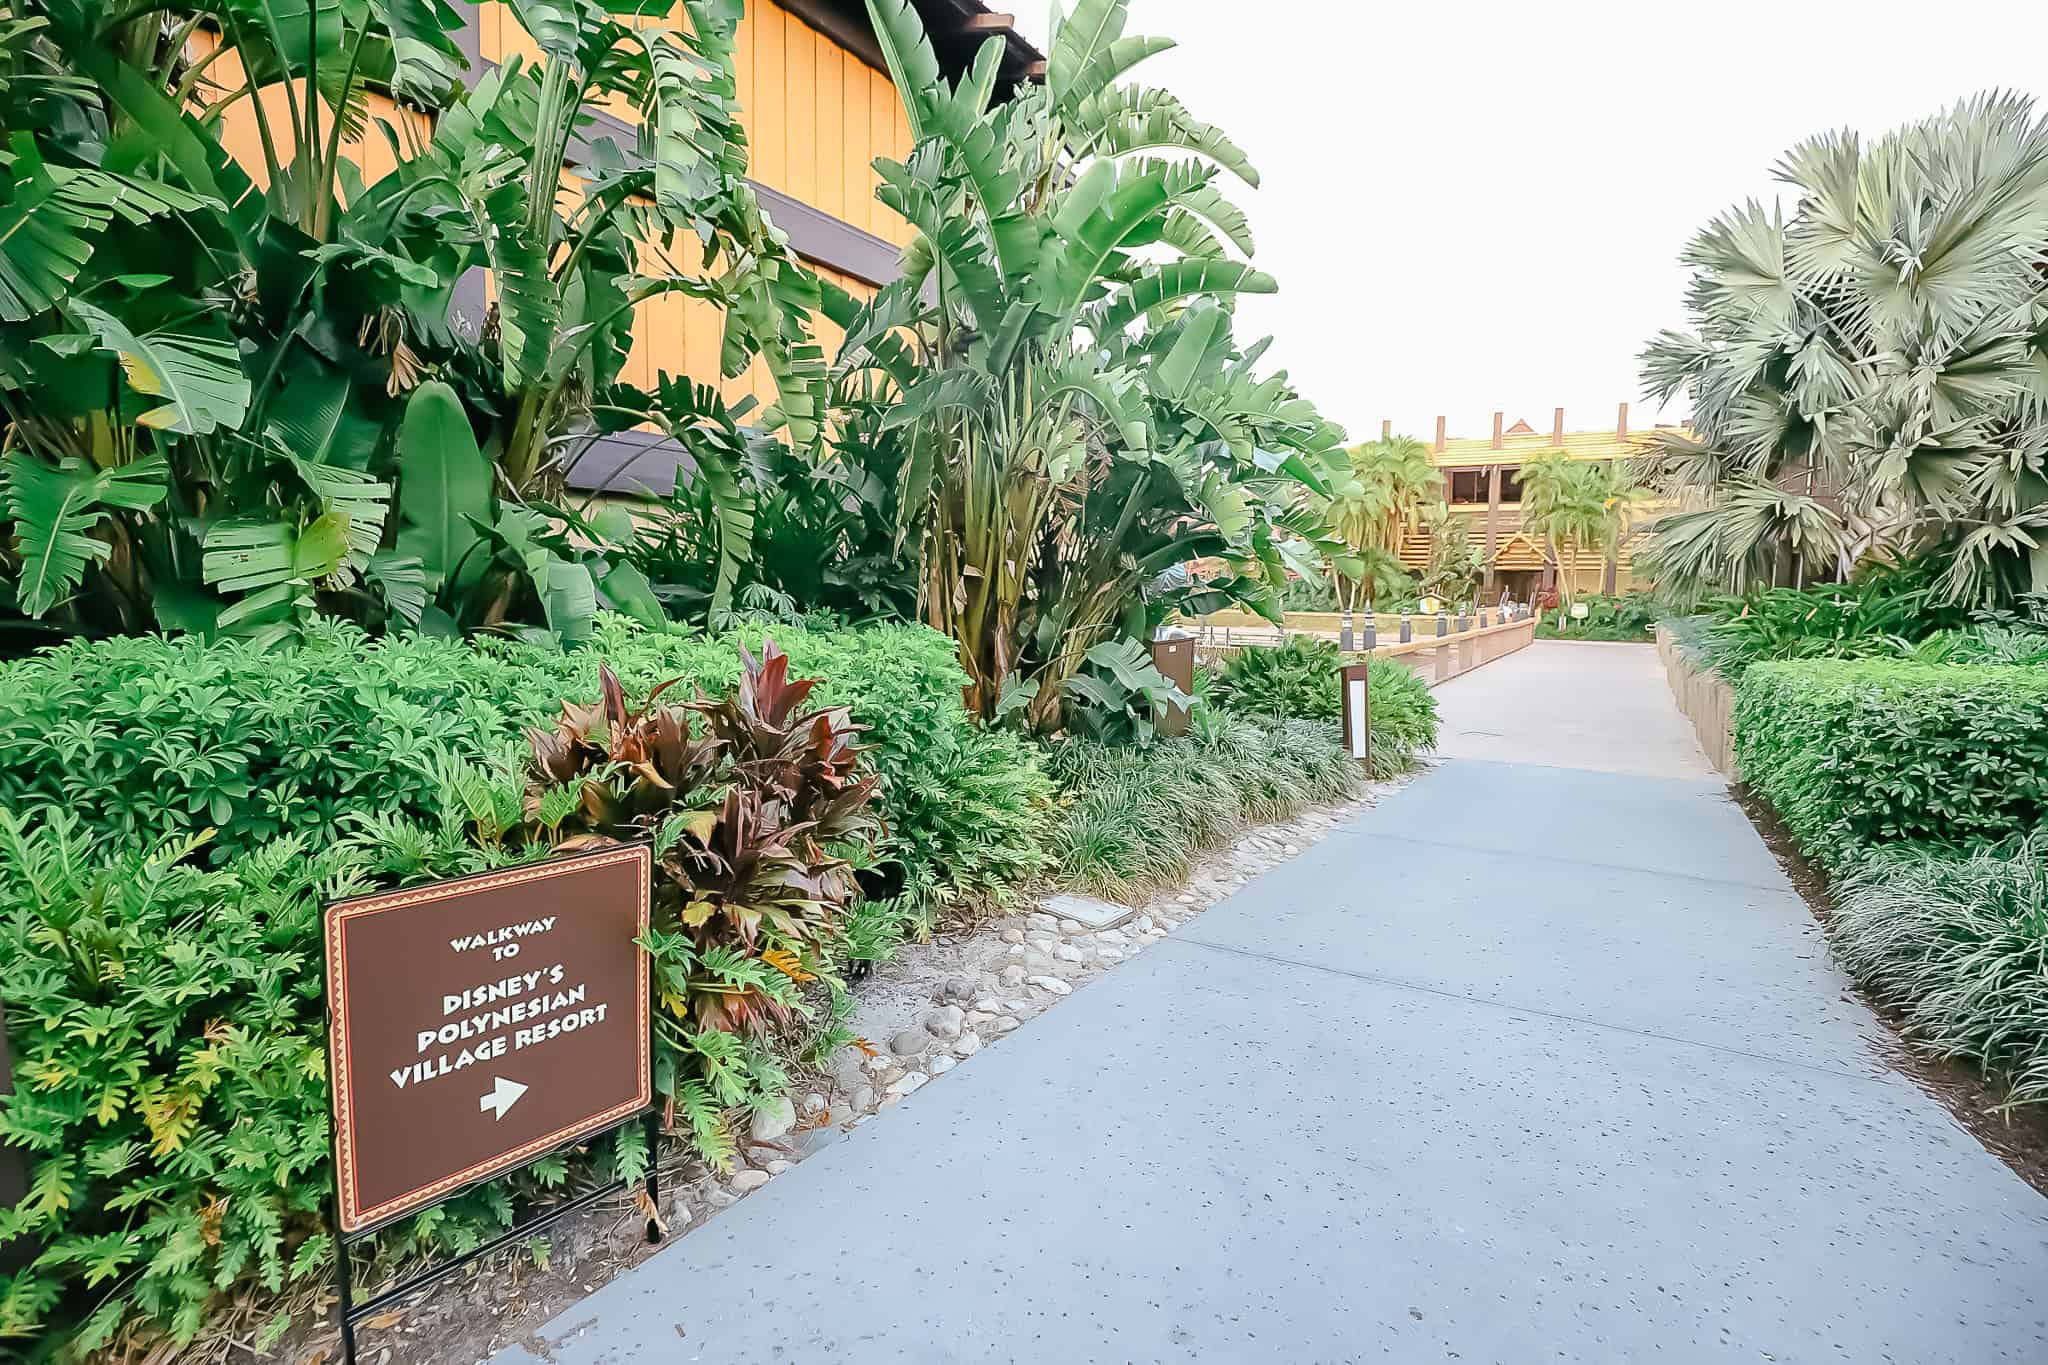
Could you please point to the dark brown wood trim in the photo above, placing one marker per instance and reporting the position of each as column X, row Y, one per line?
column 835, row 23
column 821, row 239
column 630, row 464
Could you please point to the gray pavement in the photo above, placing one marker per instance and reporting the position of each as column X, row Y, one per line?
column 1581, row 1086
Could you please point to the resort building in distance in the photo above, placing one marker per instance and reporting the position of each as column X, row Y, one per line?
column 1482, row 485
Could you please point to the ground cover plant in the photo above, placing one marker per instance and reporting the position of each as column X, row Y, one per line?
column 1958, row 944
column 1133, row 820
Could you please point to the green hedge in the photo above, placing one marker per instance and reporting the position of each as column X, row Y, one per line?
column 1857, row 754
column 1629, row 617
column 172, row 816
column 143, row 737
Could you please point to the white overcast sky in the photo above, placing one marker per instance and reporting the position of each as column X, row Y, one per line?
column 1480, row 207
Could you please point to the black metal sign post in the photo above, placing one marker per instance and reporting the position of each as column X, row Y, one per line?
column 528, row 984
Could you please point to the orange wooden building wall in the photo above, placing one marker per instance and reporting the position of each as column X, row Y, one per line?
column 816, row 117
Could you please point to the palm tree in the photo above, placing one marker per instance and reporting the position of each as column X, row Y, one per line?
column 1577, row 506
column 1867, row 378
column 1393, row 484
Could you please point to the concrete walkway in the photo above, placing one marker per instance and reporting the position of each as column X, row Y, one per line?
column 1591, row 1092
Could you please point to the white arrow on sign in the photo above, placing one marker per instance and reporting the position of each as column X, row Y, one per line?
column 502, row 1095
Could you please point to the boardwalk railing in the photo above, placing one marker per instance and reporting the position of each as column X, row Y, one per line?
column 1466, row 642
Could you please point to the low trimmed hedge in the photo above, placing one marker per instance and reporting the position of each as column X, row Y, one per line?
column 146, row 737
column 1869, row 752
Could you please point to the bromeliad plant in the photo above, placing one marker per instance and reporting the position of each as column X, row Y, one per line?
column 753, row 805
column 1076, row 417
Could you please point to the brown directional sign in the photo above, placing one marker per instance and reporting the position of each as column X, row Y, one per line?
column 479, row 1024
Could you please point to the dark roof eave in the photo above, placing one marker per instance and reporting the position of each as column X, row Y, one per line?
column 846, row 23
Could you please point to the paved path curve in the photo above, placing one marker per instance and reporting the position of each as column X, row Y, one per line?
column 1589, row 1090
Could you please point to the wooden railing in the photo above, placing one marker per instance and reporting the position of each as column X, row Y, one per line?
column 1437, row 658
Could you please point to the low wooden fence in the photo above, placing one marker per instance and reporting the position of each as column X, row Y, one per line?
column 1706, row 699
column 1437, row 658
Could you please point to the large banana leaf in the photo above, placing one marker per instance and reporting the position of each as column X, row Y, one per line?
column 252, row 560
column 913, row 66
column 1175, row 281
column 1133, row 119
column 54, row 511
column 197, row 372
column 444, row 486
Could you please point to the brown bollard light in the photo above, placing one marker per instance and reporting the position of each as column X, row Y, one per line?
column 1357, row 710
column 1173, row 653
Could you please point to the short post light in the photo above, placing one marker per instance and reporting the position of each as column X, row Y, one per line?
column 1357, row 710
column 1407, row 628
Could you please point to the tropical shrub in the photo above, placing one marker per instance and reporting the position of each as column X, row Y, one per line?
column 1858, row 753
column 1296, row 680
column 1865, row 376
column 230, row 409
column 1630, row 616
column 1404, row 716
column 1881, row 613
column 146, row 738
column 1076, row 418
column 171, row 1053
column 167, row 1016
column 1132, row 820
column 1958, row 943
column 1299, row 680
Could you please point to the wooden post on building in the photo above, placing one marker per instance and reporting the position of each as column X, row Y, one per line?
column 1439, row 446
column 1496, row 429
column 1386, row 428
column 1557, row 428
column 1492, row 524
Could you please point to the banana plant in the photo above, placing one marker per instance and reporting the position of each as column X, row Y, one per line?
column 1074, row 411
column 206, row 368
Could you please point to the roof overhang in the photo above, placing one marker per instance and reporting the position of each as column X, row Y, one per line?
column 957, row 28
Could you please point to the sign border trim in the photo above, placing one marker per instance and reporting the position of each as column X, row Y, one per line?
column 352, row 1217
